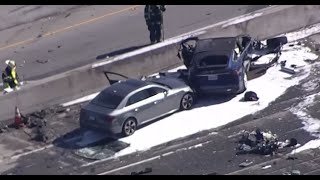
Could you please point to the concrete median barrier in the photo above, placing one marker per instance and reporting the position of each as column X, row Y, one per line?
column 82, row 81
column 270, row 22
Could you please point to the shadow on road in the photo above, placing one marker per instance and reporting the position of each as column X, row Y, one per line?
column 71, row 139
column 94, row 146
column 121, row 51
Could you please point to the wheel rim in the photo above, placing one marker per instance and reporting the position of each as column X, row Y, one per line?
column 130, row 127
column 187, row 101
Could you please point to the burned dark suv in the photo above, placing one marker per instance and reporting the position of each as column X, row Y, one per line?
column 220, row 65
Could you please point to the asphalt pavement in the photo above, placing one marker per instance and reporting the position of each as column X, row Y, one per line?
column 50, row 40
column 208, row 152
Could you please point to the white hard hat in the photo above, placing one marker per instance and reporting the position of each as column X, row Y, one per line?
column 10, row 62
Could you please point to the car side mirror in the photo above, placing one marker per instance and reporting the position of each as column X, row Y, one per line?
column 165, row 93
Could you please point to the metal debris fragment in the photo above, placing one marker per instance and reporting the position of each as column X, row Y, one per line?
column 317, row 47
column 62, row 115
column 145, row 171
column 246, row 163
column 42, row 61
column 295, row 172
column 266, row 167
column 291, row 158
column 67, row 15
column 214, row 173
column 287, row 70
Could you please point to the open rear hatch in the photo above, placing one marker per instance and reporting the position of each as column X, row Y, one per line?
column 213, row 69
column 211, row 62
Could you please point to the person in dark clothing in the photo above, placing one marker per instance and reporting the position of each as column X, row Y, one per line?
column 153, row 15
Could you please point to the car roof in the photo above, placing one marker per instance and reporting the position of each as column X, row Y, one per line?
column 124, row 87
column 217, row 45
column 164, row 81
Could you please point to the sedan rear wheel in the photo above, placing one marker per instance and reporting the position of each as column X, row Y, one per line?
column 129, row 127
column 186, row 101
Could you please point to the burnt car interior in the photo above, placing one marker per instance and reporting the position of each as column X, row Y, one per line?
column 213, row 61
column 190, row 46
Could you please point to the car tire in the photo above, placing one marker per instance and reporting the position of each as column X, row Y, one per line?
column 187, row 101
column 129, row 127
column 243, row 86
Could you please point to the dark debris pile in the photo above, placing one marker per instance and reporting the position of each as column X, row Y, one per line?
column 263, row 143
column 37, row 124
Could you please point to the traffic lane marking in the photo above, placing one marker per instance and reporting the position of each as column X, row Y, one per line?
column 69, row 27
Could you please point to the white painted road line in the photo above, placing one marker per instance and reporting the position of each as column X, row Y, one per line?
column 26, row 153
column 30, row 152
column 130, row 165
column 154, row 158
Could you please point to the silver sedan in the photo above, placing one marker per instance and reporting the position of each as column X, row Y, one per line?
column 125, row 105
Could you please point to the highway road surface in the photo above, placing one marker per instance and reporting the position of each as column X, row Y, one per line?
column 48, row 40
column 208, row 152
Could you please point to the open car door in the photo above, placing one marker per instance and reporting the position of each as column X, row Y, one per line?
column 186, row 50
column 109, row 75
column 273, row 45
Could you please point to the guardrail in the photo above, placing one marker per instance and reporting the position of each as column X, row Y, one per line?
column 88, row 79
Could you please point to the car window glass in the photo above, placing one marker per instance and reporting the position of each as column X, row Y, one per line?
column 107, row 99
column 155, row 90
column 139, row 96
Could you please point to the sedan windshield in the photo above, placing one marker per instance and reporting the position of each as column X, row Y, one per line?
column 107, row 100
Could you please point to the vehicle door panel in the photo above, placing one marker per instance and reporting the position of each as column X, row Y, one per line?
column 165, row 102
column 140, row 105
column 273, row 45
column 174, row 100
column 169, row 102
